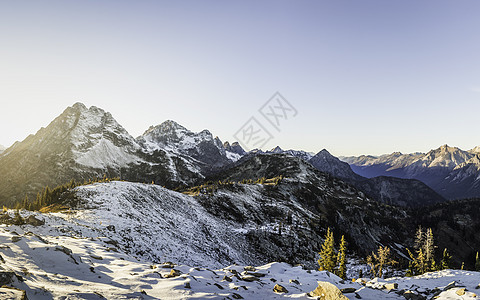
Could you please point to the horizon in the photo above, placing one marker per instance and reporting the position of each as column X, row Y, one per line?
column 231, row 141
column 366, row 78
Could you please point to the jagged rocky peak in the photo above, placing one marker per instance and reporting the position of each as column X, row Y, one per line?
column 173, row 137
column 234, row 148
column 475, row 150
column 277, row 150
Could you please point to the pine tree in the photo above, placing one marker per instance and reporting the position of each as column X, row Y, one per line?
column 477, row 263
column 429, row 250
column 445, row 262
column 341, row 259
column 327, row 261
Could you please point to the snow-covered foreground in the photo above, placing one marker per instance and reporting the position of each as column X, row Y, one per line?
column 62, row 267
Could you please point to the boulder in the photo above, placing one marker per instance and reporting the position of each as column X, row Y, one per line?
column 279, row 289
column 250, row 269
column 32, row 220
column 327, row 291
column 348, row 290
column 249, row 278
column 16, row 238
column 173, row 273
column 413, row 296
column 460, row 292
column 391, row 286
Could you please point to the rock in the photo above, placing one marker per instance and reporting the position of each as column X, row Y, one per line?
column 250, row 268
column 168, row 265
column 460, row 292
column 173, row 273
column 413, row 296
column 12, row 293
column 327, row 291
column 64, row 250
column 111, row 228
column 348, row 290
column 279, row 289
column 226, row 278
column 358, row 296
column 187, row 285
column 450, row 285
column 477, row 287
column 236, row 296
column 218, row 286
column 256, row 274
column 391, row 286
column 294, row 281
column 249, row 278
column 6, row 278
column 16, row 238
column 96, row 257
column 32, row 220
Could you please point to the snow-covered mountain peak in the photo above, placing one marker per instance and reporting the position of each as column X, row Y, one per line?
column 475, row 150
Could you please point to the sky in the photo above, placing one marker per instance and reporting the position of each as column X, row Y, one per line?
column 360, row 77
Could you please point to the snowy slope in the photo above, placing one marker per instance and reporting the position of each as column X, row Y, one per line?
column 62, row 267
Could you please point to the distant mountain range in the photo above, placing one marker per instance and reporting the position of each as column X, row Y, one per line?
column 83, row 143
column 241, row 220
column 452, row 172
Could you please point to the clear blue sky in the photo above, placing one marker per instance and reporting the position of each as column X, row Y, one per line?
column 366, row 77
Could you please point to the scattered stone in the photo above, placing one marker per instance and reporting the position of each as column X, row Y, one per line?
column 450, row 285
column 64, row 250
column 218, row 286
column 249, row 278
column 273, row 280
column 279, row 289
column 348, row 290
column 460, row 292
column 236, row 296
column 111, row 228
column 477, row 287
column 391, row 286
column 226, row 278
column 96, row 257
column 358, row 296
column 256, row 274
column 16, row 238
column 250, row 268
column 327, row 291
column 34, row 221
column 294, row 281
column 168, row 265
column 173, row 273
column 413, row 296
column 187, row 285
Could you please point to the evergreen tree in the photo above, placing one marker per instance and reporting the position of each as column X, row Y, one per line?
column 327, row 261
column 477, row 263
column 445, row 262
column 341, row 259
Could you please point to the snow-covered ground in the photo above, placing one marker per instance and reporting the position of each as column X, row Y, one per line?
column 62, row 267
column 117, row 245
